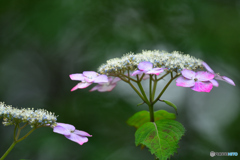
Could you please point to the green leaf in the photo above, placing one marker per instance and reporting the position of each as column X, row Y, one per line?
column 161, row 137
column 142, row 117
column 171, row 104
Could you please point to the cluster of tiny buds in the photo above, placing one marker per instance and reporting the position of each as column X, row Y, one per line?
column 35, row 118
column 174, row 61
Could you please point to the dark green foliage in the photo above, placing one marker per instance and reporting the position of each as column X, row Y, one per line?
column 161, row 137
column 142, row 117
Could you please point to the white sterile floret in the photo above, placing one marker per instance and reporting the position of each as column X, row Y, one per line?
column 174, row 61
column 39, row 117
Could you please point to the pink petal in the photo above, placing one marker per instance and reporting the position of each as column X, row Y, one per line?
column 214, row 82
column 204, row 76
column 76, row 138
column 202, row 86
column 77, row 77
column 137, row 72
column 226, row 79
column 101, row 79
column 82, row 133
column 145, row 76
column 218, row 77
column 67, row 126
column 188, row 74
column 81, row 85
column 91, row 74
column 207, row 67
column 89, row 80
column 183, row 82
column 110, row 79
column 107, row 88
column 61, row 130
column 74, row 88
column 115, row 80
column 145, row 66
column 155, row 71
column 95, row 88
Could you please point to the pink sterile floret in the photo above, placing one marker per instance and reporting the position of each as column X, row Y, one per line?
column 147, row 68
column 197, row 81
column 71, row 133
column 87, row 78
column 108, row 86
column 223, row 78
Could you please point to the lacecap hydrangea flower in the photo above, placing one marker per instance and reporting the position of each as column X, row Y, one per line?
column 155, row 66
column 35, row 118
column 189, row 68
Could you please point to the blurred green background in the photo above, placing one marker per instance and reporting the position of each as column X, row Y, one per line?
column 42, row 42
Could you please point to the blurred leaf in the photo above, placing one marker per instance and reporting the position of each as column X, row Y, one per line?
column 161, row 137
column 142, row 117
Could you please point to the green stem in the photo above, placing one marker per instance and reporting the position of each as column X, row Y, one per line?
column 164, row 89
column 19, row 140
column 162, row 76
column 151, row 113
column 128, row 77
column 142, row 77
column 135, row 89
column 154, row 87
column 16, row 140
column 150, row 89
column 142, row 91
column 8, row 151
column 18, row 133
column 24, row 126
column 14, row 133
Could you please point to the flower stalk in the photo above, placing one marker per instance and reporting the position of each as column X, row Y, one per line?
column 16, row 140
column 164, row 89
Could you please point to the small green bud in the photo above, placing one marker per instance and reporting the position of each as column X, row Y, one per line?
column 170, row 104
column 140, row 104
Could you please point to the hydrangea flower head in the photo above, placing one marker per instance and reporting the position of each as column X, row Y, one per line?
column 197, row 81
column 217, row 76
column 87, row 78
column 107, row 86
column 174, row 61
column 147, row 68
column 70, row 132
column 39, row 117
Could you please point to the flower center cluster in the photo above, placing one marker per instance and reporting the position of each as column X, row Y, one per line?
column 39, row 117
column 174, row 61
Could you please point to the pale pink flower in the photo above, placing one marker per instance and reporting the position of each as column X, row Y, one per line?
column 197, row 81
column 87, row 78
column 223, row 78
column 147, row 68
column 107, row 86
column 71, row 133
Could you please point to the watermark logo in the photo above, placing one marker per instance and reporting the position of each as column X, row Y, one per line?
column 212, row 153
